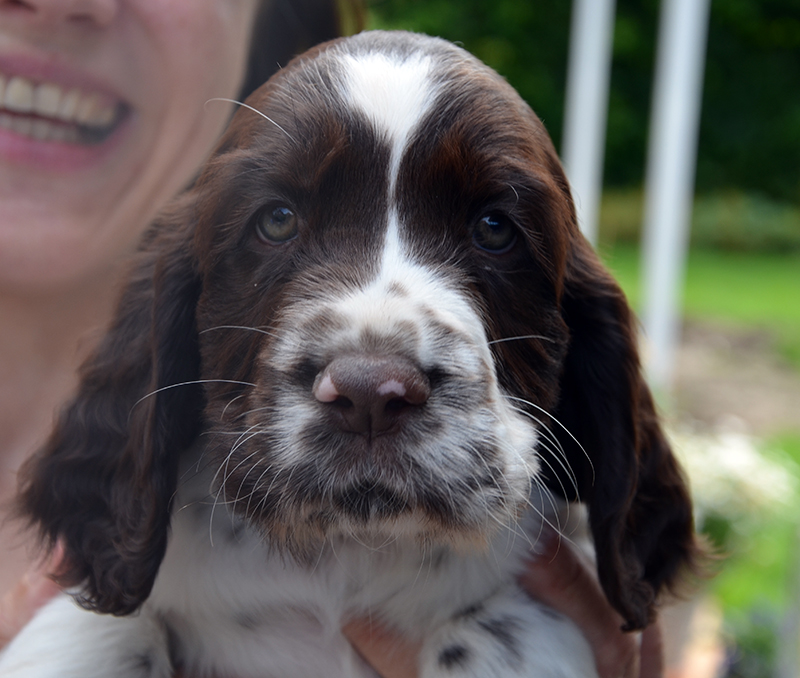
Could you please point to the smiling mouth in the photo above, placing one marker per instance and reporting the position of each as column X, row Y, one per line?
column 48, row 112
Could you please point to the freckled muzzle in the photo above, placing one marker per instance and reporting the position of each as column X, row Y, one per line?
column 385, row 423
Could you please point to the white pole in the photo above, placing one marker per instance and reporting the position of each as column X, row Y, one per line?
column 669, row 185
column 586, row 106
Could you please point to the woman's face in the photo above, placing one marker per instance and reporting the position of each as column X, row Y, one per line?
column 105, row 115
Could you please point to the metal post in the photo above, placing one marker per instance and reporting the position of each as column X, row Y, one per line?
column 669, row 185
column 586, row 106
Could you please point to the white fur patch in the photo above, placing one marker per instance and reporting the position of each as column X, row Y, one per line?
column 394, row 95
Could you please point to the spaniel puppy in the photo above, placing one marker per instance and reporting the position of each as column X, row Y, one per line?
column 357, row 368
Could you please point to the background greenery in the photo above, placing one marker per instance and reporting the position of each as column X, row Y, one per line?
column 744, row 266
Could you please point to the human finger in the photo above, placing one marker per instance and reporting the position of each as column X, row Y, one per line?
column 652, row 652
column 558, row 577
column 18, row 605
column 388, row 653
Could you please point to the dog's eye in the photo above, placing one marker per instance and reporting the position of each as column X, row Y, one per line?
column 495, row 233
column 276, row 225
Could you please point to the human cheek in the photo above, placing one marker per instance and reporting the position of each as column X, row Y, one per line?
column 196, row 53
column 204, row 42
column 203, row 46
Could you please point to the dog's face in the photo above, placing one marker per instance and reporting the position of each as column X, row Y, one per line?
column 393, row 232
column 379, row 280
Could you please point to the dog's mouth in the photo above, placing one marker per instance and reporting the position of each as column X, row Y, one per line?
column 298, row 510
column 367, row 502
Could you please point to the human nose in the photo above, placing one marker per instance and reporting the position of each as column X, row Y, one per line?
column 96, row 12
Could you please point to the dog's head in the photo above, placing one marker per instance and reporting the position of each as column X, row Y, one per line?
column 377, row 304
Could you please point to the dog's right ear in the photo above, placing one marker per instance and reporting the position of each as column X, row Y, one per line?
column 103, row 483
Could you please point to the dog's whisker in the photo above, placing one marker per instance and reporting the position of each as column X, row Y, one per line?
column 255, row 410
column 556, row 527
column 230, row 402
column 521, row 338
column 237, row 467
column 255, row 110
column 224, row 463
column 545, row 430
column 256, row 485
column 221, row 489
column 238, row 327
column 548, row 494
column 238, row 498
column 191, row 382
column 566, row 430
column 265, row 495
column 252, row 432
column 544, row 492
column 546, row 446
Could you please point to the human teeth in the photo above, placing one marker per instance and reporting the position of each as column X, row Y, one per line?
column 46, row 98
column 92, row 112
column 20, row 95
column 23, row 126
column 40, row 129
column 69, row 105
column 43, row 130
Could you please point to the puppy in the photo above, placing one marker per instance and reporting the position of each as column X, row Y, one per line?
column 356, row 369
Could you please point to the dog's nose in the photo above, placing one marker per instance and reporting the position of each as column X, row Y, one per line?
column 371, row 393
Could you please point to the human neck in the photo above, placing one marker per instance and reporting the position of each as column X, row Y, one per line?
column 44, row 336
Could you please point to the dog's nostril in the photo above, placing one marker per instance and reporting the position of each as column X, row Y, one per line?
column 342, row 402
column 396, row 404
column 370, row 393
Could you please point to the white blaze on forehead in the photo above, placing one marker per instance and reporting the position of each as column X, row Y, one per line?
column 393, row 92
column 396, row 93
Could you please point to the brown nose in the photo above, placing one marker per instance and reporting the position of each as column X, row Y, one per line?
column 371, row 393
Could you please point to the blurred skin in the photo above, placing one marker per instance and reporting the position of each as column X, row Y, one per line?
column 71, row 213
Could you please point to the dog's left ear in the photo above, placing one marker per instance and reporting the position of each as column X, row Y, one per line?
column 639, row 507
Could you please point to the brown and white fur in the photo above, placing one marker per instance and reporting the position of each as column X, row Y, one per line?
column 356, row 369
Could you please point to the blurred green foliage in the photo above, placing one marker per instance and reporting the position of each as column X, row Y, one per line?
column 729, row 220
column 750, row 127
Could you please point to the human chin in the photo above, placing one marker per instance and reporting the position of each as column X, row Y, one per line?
column 62, row 227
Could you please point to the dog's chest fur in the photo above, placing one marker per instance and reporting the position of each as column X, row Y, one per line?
column 234, row 606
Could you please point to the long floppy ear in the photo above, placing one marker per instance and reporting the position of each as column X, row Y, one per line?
column 639, row 507
column 103, row 482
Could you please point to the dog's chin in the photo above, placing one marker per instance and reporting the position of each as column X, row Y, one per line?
column 376, row 515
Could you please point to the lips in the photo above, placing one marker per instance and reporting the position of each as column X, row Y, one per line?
column 46, row 111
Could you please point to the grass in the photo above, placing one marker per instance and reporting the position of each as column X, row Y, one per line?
column 737, row 289
column 743, row 268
